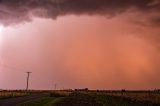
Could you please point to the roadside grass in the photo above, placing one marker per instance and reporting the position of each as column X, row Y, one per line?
column 51, row 100
column 6, row 95
column 45, row 101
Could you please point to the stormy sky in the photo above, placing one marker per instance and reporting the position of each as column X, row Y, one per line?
column 99, row 44
column 16, row 11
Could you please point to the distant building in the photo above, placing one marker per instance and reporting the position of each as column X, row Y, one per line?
column 85, row 89
column 157, row 90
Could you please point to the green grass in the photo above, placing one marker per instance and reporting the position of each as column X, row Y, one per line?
column 46, row 101
column 100, row 99
column 87, row 99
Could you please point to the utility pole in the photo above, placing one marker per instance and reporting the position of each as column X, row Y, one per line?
column 55, row 87
column 28, row 73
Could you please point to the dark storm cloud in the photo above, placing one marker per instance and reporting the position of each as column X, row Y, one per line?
column 14, row 11
column 156, row 20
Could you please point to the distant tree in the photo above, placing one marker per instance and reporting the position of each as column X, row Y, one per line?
column 123, row 91
column 86, row 89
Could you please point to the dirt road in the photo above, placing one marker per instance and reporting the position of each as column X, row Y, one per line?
column 15, row 101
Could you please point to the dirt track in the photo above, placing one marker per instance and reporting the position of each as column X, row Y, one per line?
column 15, row 101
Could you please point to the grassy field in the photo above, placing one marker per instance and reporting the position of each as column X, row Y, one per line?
column 96, row 98
column 11, row 94
column 102, row 99
column 153, row 97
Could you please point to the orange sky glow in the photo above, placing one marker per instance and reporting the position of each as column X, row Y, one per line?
column 77, row 50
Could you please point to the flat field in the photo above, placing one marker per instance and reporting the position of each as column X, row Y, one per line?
column 88, row 98
column 111, row 99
